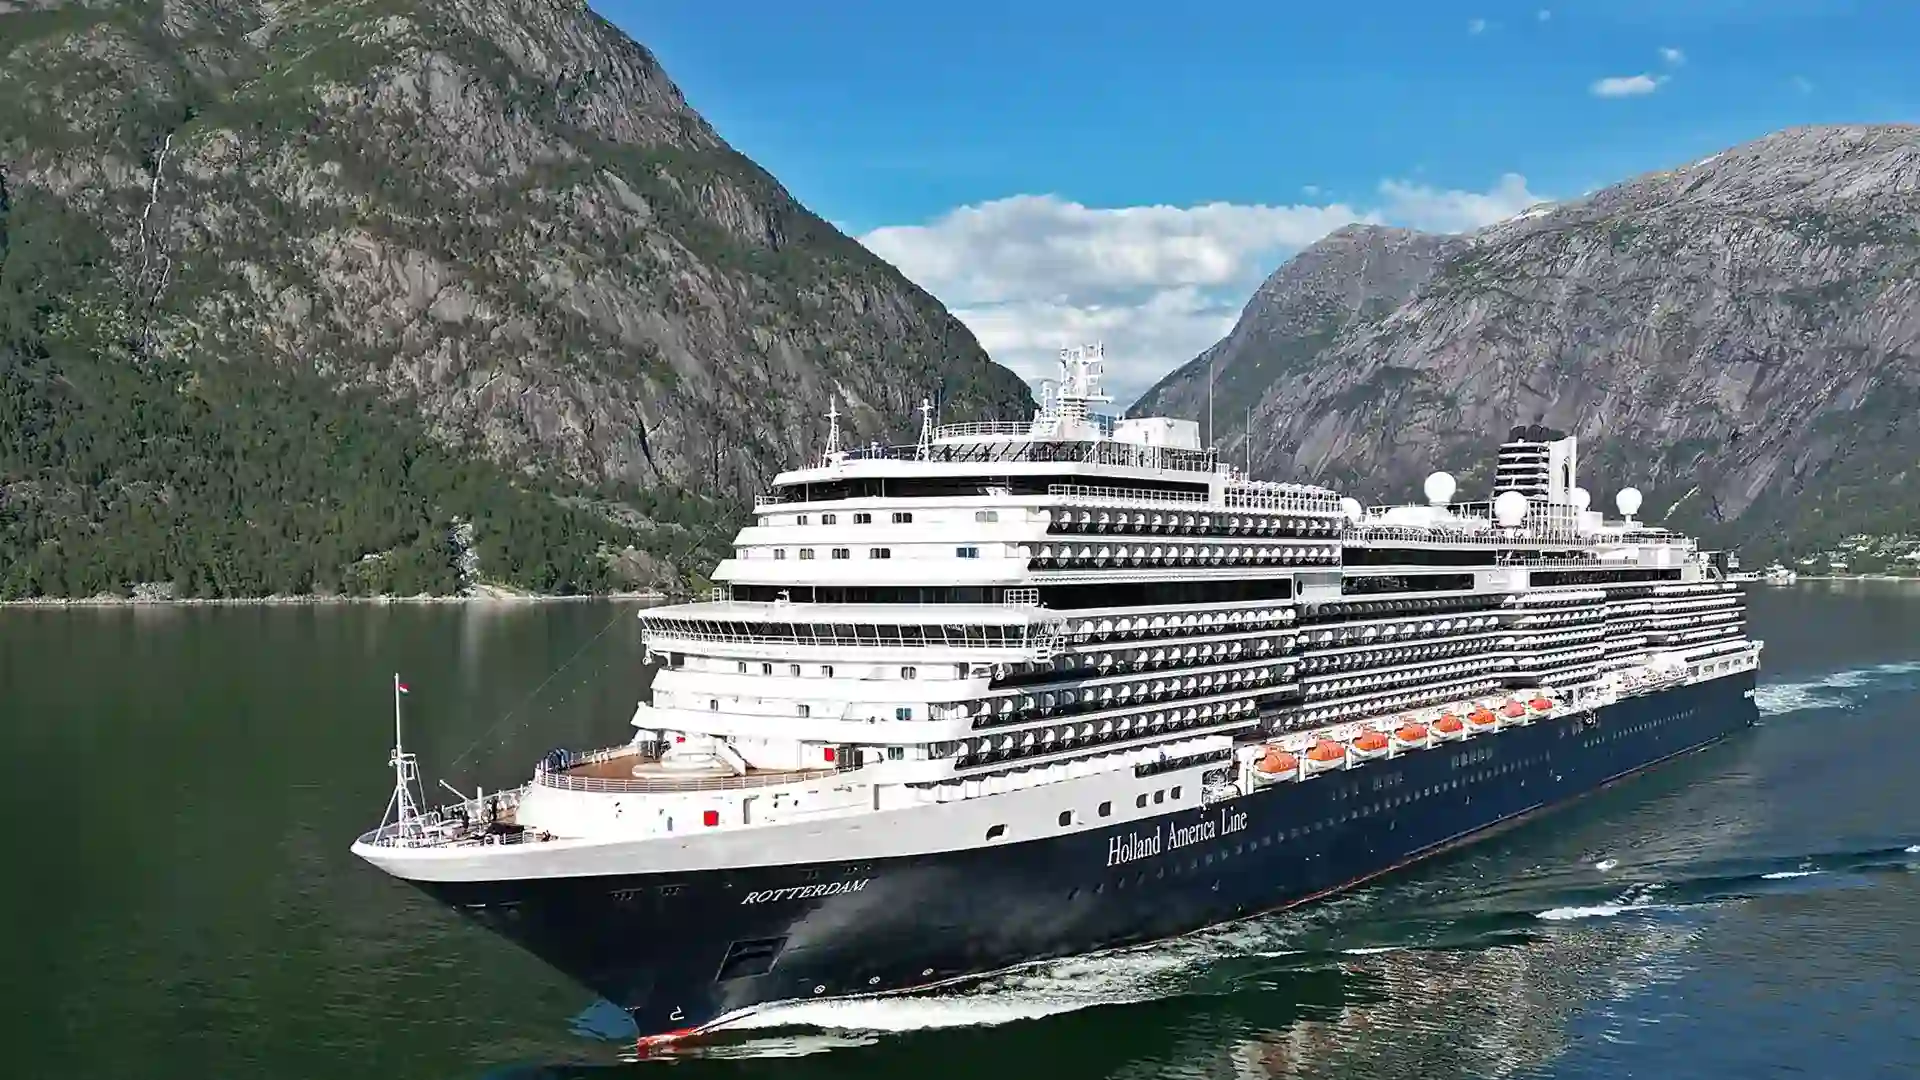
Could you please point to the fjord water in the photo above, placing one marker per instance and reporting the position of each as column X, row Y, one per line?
column 184, row 782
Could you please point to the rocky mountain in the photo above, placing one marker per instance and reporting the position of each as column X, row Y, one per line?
column 1355, row 275
column 301, row 296
column 1739, row 337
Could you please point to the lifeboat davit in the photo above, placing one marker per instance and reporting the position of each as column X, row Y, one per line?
column 1513, row 710
column 1449, row 727
column 1326, row 754
column 1371, row 744
column 1541, row 704
column 1277, row 763
column 1481, row 718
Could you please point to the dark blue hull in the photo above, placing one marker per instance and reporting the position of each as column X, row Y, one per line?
column 678, row 951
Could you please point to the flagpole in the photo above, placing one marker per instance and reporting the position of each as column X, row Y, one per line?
column 399, row 760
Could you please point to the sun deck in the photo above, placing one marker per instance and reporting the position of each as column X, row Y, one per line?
column 634, row 769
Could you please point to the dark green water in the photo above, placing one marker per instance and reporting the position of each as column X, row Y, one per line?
column 184, row 784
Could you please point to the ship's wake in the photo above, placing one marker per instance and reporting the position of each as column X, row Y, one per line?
column 1839, row 690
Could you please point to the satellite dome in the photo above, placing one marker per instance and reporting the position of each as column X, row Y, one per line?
column 1440, row 488
column 1628, row 501
column 1582, row 498
column 1510, row 509
column 1351, row 507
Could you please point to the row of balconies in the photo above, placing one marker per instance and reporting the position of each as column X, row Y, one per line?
column 1215, row 652
column 1171, row 522
column 1387, row 680
column 1369, row 633
column 1376, row 704
column 1052, row 740
column 1166, row 624
column 1095, row 556
column 1370, row 658
column 1014, row 709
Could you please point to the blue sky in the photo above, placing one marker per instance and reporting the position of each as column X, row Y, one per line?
column 1061, row 170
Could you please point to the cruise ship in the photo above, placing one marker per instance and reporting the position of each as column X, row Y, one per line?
column 1028, row 690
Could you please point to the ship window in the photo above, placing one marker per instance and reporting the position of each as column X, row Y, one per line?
column 863, row 519
column 800, row 519
column 904, row 712
column 806, row 553
column 1066, row 818
column 879, row 553
column 841, row 553
column 903, row 517
column 896, row 753
column 766, row 669
column 1160, row 796
column 986, row 515
column 713, row 704
column 1106, row 809
column 793, row 669
column 966, row 553
column 826, row 671
column 996, row 832
column 1140, row 800
column 959, row 671
column 779, row 553
column 909, row 673
column 1176, row 791
column 829, row 519
column 805, row 710
column 742, row 665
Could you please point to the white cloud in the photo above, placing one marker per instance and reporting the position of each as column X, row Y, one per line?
column 1032, row 273
column 1671, row 56
column 1455, row 211
column 1614, row 86
column 1476, row 26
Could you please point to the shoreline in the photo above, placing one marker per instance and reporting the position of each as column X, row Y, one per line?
column 318, row 601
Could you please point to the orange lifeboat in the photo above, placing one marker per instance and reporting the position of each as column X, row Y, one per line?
column 1513, row 710
column 1370, row 744
column 1448, row 725
column 1541, row 704
column 1326, row 750
column 1414, row 732
column 1277, row 762
column 1480, row 718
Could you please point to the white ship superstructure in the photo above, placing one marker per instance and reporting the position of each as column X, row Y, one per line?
column 1079, row 628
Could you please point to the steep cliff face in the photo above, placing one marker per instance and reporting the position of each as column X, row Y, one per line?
column 497, row 217
column 1739, row 337
column 1353, row 276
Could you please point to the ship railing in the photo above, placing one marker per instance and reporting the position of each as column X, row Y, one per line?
column 1039, row 448
column 673, row 784
column 971, row 638
column 987, row 427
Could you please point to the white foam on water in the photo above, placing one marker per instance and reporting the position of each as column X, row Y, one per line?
column 1828, row 691
column 1142, row 973
column 1605, row 865
column 1783, row 875
column 1913, row 849
column 1595, row 911
column 1372, row 949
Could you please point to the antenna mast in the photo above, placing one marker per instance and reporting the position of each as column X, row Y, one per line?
column 402, row 812
column 833, row 431
column 926, row 428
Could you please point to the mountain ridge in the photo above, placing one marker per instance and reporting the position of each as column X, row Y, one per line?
column 1738, row 336
column 493, row 229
